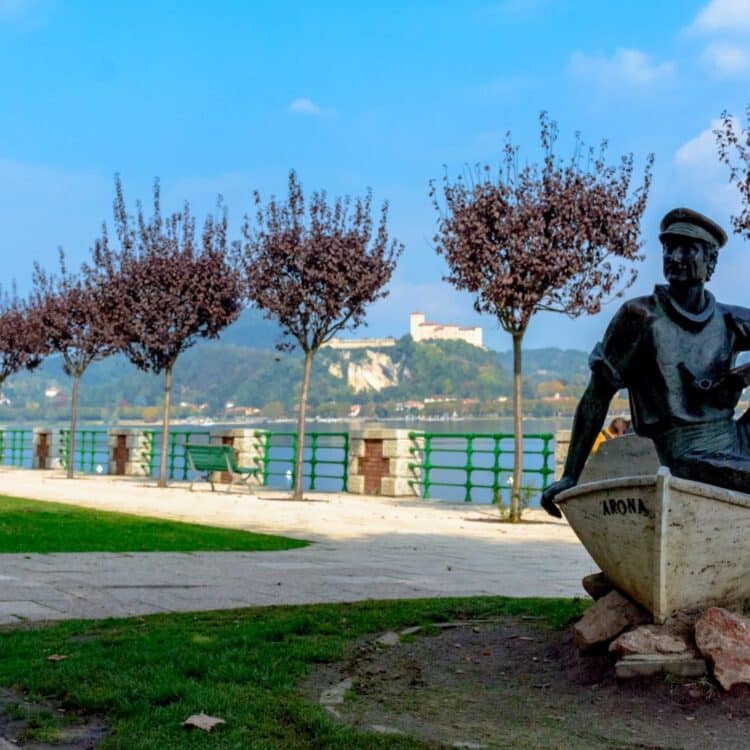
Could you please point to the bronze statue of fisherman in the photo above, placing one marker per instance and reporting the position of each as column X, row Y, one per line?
column 674, row 350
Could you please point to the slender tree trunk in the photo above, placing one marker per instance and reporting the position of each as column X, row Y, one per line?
column 515, row 494
column 298, row 463
column 165, row 427
column 73, row 420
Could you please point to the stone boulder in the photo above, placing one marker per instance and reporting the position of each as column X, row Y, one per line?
column 650, row 640
column 597, row 585
column 606, row 619
column 724, row 639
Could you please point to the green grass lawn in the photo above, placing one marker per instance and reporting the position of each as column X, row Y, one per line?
column 146, row 675
column 34, row 526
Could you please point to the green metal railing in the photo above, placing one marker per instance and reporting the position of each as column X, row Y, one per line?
column 470, row 467
column 472, row 464
column 16, row 447
column 91, row 450
column 325, row 459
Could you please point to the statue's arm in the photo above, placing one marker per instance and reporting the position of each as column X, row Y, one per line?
column 589, row 419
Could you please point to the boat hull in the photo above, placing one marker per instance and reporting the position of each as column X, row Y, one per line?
column 671, row 544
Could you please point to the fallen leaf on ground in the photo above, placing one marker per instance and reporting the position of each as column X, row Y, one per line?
column 202, row 721
column 56, row 657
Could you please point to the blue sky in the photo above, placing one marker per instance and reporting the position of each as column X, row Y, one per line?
column 228, row 96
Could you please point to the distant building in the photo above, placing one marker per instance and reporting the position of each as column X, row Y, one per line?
column 361, row 343
column 422, row 330
column 416, row 405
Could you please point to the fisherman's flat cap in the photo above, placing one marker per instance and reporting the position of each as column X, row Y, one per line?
column 688, row 223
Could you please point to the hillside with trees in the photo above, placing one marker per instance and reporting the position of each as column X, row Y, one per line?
column 215, row 373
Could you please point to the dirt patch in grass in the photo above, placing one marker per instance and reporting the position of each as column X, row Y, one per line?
column 514, row 683
column 46, row 725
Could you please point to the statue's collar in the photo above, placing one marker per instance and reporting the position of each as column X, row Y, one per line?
column 679, row 314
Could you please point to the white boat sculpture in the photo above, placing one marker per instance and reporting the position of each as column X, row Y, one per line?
column 670, row 544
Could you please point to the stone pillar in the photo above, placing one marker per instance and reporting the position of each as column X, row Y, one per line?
column 128, row 453
column 562, row 442
column 47, row 450
column 249, row 451
column 379, row 462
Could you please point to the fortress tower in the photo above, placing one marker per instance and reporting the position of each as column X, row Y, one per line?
column 422, row 330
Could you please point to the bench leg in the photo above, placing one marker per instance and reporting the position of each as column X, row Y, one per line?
column 243, row 480
column 204, row 478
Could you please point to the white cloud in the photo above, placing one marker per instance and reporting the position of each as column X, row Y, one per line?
column 700, row 152
column 702, row 175
column 626, row 66
column 723, row 15
column 726, row 59
column 305, row 106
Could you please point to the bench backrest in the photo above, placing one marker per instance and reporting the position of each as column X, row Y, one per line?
column 210, row 457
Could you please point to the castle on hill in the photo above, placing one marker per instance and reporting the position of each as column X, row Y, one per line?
column 422, row 330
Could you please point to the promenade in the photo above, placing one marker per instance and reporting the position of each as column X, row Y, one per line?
column 362, row 548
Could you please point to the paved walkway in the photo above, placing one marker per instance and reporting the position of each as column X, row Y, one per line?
column 363, row 548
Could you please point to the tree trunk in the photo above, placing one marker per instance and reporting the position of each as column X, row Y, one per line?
column 298, row 462
column 515, row 493
column 165, row 428
column 73, row 419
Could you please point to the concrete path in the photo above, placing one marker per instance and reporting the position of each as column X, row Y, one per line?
column 363, row 548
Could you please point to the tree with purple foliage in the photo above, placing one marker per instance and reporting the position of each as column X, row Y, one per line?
column 540, row 238
column 315, row 269
column 172, row 288
column 22, row 344
column 733, row 144
column 77, row 313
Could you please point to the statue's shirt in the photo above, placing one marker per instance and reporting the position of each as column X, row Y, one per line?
column 667, row 358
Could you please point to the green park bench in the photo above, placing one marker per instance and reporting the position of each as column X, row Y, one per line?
column 207, row 460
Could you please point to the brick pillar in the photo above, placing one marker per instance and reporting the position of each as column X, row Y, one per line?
column 249, row 451
column 128, row 453
column 562, row 443
column 379, row 460
column 47, row 448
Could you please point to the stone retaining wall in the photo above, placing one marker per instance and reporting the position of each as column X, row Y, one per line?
column 129, row 452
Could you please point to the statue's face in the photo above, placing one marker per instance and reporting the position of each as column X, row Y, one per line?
column 685, row 260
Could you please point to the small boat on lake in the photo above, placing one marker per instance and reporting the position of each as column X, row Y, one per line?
column 670, row 544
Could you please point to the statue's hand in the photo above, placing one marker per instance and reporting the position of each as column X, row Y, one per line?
column 548, row 496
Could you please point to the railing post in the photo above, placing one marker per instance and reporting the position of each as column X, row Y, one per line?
column 469, row 466
column 313, row 458
column 129, row 452
column 345, row 477
column 496, row 468
column 381, row 463
column 427, row 466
